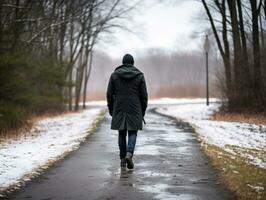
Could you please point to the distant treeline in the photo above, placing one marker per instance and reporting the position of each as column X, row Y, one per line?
column 238, row 27
column 45, row 53
column 167, row 74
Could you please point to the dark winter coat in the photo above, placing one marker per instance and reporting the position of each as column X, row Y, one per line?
column 127, row 98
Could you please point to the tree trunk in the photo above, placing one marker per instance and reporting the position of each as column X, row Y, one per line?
column 70, row 91
column 213, row 28
column 242, row 31
column 87, row 76
column 243, row 36
column 237, row 51
column 256, row 50
column 71, row 44
column 17, row 26
column 80, row 72
column 226, row 52
column 79, row 77
column 85, row 84
column 227, row 63
column 245, row 78
column 261, row 31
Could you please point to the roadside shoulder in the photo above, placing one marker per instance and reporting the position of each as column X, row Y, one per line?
column 49, row 140
column 236, row 149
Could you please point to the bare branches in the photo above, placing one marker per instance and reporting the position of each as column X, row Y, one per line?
column 44, row 29
column 213, row 28
column 243, row 34
column 64, row 30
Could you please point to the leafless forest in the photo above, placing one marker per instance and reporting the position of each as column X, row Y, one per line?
column 49, row 60
column 46, row 50
column 238, row 27
column 167, row 74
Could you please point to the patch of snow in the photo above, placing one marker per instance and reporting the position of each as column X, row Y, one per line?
column 179, row 101
column 159, row 101
column 257, row 188
column 220, row 133
column 97, row 103
column 49, row 139
column 161, row 191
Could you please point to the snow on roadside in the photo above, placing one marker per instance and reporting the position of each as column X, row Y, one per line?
column 241, row 136
column 48, row 140
column 170, row 101
column 160, row 101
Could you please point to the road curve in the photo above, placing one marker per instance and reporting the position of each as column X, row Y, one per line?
column 169, row 165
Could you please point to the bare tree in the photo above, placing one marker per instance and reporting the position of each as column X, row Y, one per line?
column 61, row 32
column 243, row 74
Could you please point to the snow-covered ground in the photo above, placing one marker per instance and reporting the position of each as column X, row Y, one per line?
column 48, row 140
column 174, row 101
column 52, row 138
column 240, row 139
column 161, row 101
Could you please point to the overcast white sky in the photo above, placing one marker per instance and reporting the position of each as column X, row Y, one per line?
column 159, row 25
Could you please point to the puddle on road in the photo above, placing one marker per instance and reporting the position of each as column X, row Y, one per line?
column 148, row 150
column 147, row 173
column 184, row 150
column 187, row 197
column 175, row 136
column 178, row 197
column 163, row 167
column 161, row 191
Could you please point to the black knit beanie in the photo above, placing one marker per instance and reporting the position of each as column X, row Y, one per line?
column 128, row 59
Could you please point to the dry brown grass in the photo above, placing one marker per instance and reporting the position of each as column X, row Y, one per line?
column 237, row 174
column 252, row 118
column 16, row 133
column 24, row 129
column 35, row 118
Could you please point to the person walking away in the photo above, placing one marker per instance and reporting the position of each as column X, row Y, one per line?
column 127, row 102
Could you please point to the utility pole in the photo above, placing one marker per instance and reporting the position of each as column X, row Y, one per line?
column 206, row 49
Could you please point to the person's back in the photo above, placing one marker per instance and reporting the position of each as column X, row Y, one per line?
column 127, row 102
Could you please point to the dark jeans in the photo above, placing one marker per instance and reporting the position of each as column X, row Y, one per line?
column 122, row 142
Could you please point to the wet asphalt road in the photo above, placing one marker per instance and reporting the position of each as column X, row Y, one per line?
column 169, row 164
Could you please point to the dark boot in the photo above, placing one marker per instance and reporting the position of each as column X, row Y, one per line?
column 123, row 162
column 129, row 161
